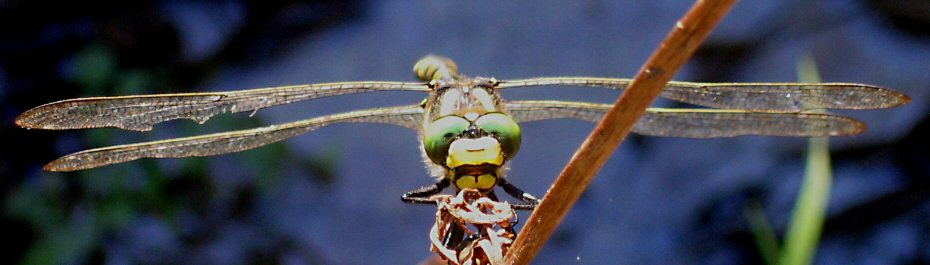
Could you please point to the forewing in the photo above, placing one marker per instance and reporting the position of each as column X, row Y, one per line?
column 697, row 123
column 758, row 97
column 229, row 142
column 139, row 113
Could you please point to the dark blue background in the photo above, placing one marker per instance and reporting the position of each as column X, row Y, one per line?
column 332, row 196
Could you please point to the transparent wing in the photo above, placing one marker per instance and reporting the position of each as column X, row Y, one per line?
column 697, row 123
column 759, row 97
column 229, row 142
column 140, row 112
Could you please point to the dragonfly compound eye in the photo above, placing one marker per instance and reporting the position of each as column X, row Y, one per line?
column 504, row 129
column 439, row 135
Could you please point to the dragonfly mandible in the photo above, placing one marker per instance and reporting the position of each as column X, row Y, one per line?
column 468, row 132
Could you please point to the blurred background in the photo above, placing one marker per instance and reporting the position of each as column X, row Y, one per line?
column 332, row 196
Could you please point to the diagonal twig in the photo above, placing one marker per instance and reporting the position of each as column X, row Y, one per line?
column 674, row 51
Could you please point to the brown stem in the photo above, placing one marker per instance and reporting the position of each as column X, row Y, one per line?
column 674, row 51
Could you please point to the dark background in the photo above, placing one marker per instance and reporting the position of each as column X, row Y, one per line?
column 332, row 196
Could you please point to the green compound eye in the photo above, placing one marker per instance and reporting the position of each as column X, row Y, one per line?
column 440, row 134
column 504, row 128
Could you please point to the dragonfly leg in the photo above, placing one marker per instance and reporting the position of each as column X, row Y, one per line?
column 530, row 200
column 422, row 195
column 456, row 238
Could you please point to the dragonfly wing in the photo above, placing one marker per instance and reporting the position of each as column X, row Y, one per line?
column 710, row 123
column 697, row 123
column 775, row 97
column 140, row 112
column 229, row 142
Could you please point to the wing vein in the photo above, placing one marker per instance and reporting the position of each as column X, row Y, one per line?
column 229, row 142
column 140, row 113
column 758, row 97
column 697, row 123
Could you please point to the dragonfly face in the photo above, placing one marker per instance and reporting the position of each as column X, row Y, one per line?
column 468, row 132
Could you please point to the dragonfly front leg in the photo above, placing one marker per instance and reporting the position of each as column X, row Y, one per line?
column 423, row 194
column 530, row 200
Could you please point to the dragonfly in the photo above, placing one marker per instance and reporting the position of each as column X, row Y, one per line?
column 467, row 131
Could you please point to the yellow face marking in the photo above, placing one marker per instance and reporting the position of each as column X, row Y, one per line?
column 486, row 181
column 484, row 150
column 482, row 182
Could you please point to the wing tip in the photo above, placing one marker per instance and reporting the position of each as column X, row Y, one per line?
column 37, row 118
column 65, row 164
column 21, row 121
column 854, row 127
column 892, row 98
column 903, row 99
column 860, row 127
column 59, row 166
column 25, row 120
column 54, row 167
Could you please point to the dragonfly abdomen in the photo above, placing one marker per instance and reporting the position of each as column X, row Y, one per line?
column 435, row 67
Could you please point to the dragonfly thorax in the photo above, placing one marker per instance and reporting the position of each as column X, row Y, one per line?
column 463, row 96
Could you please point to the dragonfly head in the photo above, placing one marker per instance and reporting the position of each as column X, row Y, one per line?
column 468, row 132
column 472, row 147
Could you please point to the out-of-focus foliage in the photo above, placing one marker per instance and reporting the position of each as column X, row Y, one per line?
column 83, row 49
